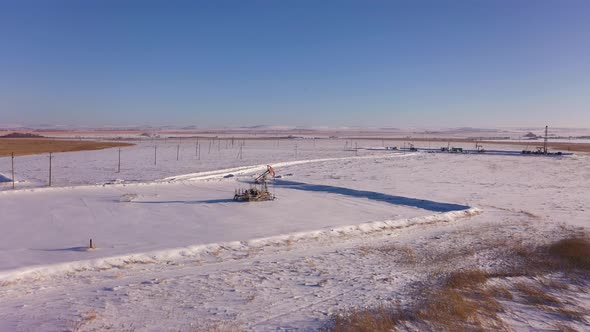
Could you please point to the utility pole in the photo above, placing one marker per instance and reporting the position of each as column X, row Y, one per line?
column 545, row 141
column 155, row 153
column 12, row 162
column 50, row 157
column 177, row 151
column 119, row 162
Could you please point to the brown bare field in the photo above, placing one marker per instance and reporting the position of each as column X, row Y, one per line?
column 29, row 146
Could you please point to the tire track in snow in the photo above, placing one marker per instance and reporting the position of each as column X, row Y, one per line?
column 243, row 170
column 199, row 176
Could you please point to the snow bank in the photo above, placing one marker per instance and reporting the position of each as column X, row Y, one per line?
column 199, row 251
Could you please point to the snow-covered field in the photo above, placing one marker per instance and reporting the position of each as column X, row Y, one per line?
column 137, row 162
column 174, row 252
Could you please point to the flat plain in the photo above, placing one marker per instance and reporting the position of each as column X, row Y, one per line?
column 360, row 237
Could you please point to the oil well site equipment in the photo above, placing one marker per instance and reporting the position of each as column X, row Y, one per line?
column 259, row 191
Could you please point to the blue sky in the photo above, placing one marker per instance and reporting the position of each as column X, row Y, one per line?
column 298, row 63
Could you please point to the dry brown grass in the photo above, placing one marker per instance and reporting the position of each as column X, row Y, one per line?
column 447, row 303
column 560, row 327
column 466, row 301
column 536, row 295
column 85, row 319
column 381, row 319
column 570, row 314
column 466, row 279
column 572, row 253
column 500, row 292
column 29, row 146
column 398, row 253
column 460, row 304
column 554, row 284
column 449, row 257
column 226, row 326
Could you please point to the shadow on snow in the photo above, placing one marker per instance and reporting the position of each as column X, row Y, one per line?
column 209, row 201
column 4, row 178
column 67, row 249
column 391, row 199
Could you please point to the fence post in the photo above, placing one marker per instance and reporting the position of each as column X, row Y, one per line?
column 155, row 153
column 50, row 157
column 12, row 162
column 119, row 164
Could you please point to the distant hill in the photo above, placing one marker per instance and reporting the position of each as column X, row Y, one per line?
column 21, row 135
